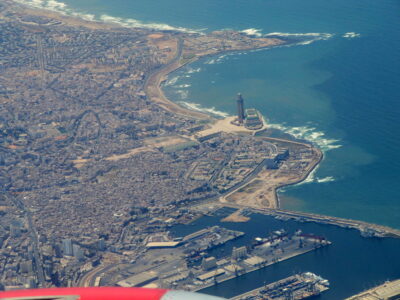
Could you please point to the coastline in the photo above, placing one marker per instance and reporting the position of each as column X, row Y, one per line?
column 66, row 19
column 153, row 87
column 78, row 21
column 153, row 83
column 158, row 77
column 154, row 80
column 311, row 169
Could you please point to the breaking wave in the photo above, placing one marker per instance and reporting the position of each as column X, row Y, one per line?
column 316, row 137
column 319, row 35
column 326, row 179
column 351, row 35
column 191, row 70
column 57, row 6
column 218, row 60
column 252, row 32
column 182, row 86
column 310, row 178
column 301, row 38
column 136, row 23
column 62, row 8
column 198, row 107
column 183, row 94
column 310, row 134
column 172, row 81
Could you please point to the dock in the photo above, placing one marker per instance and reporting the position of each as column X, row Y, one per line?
column 266, row 252
column 388, row 290
column 296, row 287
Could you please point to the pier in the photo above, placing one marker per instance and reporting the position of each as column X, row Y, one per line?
column 266, row 252
column 295, row 287
column 366, row 229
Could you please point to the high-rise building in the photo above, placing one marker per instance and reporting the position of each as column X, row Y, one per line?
column 78, row 252
column 67, row 247
column 240, row 108
column 101, row 245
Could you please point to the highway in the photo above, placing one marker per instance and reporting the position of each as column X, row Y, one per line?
column 35, row 242
column 152, row 87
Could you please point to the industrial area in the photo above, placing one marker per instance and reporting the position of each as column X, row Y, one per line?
column 97, row 166
column 186, row 262
column 296, row 287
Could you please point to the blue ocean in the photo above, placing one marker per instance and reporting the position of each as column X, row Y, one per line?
column 340, row 89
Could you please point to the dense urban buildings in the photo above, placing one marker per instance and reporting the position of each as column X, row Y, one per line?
column 97, row 165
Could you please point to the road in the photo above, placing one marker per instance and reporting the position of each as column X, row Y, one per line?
column 35, row 242
column 152, row 87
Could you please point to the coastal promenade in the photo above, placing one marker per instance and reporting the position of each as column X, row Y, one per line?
column 191, row 49
column 152, row 87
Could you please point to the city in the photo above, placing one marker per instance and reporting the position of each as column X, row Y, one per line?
column 98, row 166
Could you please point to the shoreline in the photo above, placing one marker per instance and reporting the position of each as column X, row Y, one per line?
column 306, row 175
column 162, row 74
column 155, row 79
column 158, row 77
column 69, row 20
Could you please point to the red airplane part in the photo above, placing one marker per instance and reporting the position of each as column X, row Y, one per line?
column 102, row 293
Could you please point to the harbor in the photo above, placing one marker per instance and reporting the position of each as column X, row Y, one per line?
column 366, row 260
column 296, row 287
column 263, row 252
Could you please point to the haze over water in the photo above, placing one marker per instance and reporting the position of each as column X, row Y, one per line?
column 342, row 92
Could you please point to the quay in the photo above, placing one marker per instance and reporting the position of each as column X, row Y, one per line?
column 266, row 252
column 387, row 291
column 296, row 287
column 366, row 229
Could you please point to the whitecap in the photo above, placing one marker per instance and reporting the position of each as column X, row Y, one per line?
column 210, row 62
column 57, row 6
column 326, row 179
column 172, row 81
column 63, row 8
column 320, row 35
column 183, row 94
column 183, row 86
column 309, row 179
column 306, row 42
column 191, row 70
column 307, row 38
column 310, row 134
column 351, row 35
column 252, row 32
column 133, row 23
column 198, row 107
column 52, row 4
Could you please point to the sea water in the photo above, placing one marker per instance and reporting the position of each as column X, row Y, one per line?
column 351, row 263
column 340, row 91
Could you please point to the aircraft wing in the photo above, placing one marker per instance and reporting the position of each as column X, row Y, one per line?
column 103, row 293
